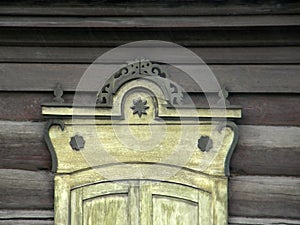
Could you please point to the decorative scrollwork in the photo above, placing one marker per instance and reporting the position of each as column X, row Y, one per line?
column 47, row 139
column 136, row 70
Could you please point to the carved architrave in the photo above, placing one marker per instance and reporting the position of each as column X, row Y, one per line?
column 142, row 159
column 137, row 70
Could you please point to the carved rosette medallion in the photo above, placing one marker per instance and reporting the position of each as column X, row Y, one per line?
column 77, row 142
column 139, row 107
column 205, row 143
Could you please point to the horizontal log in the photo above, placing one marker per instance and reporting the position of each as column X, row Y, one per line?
column 254, row 196
column 22, row 146
column 266, row 109
column 258, row 109
column 259, row 221
column 20, row 189
column 25, row 105
column 262, row 150
column 237, row 78
column 6, row 214
column 250, row 196
column 26, row 222
column 267, row 150
column 136, row 8
column 222, row 55
column 151, row 22
column 107, row 37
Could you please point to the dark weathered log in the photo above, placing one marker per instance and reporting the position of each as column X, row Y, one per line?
column 267, row 150
column 25, row 105
column 151, row 22
column 87, row 36
column 258, row 109
column 20, row 189
column 250, row 196
column 237, row 78
column 259, row 221
column 151, row 8
column 266, row 109
column 223, row 55
column 26, row 222
column 25, row 214
column 22, row 146
column 254, row 196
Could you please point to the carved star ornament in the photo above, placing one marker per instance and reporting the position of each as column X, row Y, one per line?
column 139, row 107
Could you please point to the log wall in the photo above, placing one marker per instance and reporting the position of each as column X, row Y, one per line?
column 253, row 48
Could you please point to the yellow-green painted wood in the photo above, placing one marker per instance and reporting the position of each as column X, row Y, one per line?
column 144, row 170
column 106, row 210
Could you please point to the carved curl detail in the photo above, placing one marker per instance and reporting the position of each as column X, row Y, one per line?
column 136, row 70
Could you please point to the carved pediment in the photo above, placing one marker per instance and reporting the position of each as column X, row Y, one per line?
column 141, row 144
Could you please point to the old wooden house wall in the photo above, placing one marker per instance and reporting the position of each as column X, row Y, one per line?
column 253, row 47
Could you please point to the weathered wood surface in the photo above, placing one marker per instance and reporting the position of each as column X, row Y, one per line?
column 237, row 78
column 22, row 189
column 267, row 150
column 151, row 22
column 263, row 150
column 25, row 214
column 260, row 221
column 26, row 222
column 223, row 55
column 247, row 36
column 25, row 105
column 151, row 8
column 45, row 217
column 22, row 146
column 264, row 109
column 254, row 196
column 258, row 109
column 239, row 221
column 250, row 196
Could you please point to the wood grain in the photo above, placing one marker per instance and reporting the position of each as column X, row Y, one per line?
column 43, row 217
column 258, row 109
column 165, row 8
column 254, row 196
column 252, row 221
column 250, row 196
column 151, row 22
column 256, row 47
column 263, row 150
column 26, row 222
column 237, row 78
column 239, row 221
column 25, row 214
column 266, row 109
column 108, row 37
column 22, row 189
column 267, row 150
column 222, row 55
column 22, row 146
